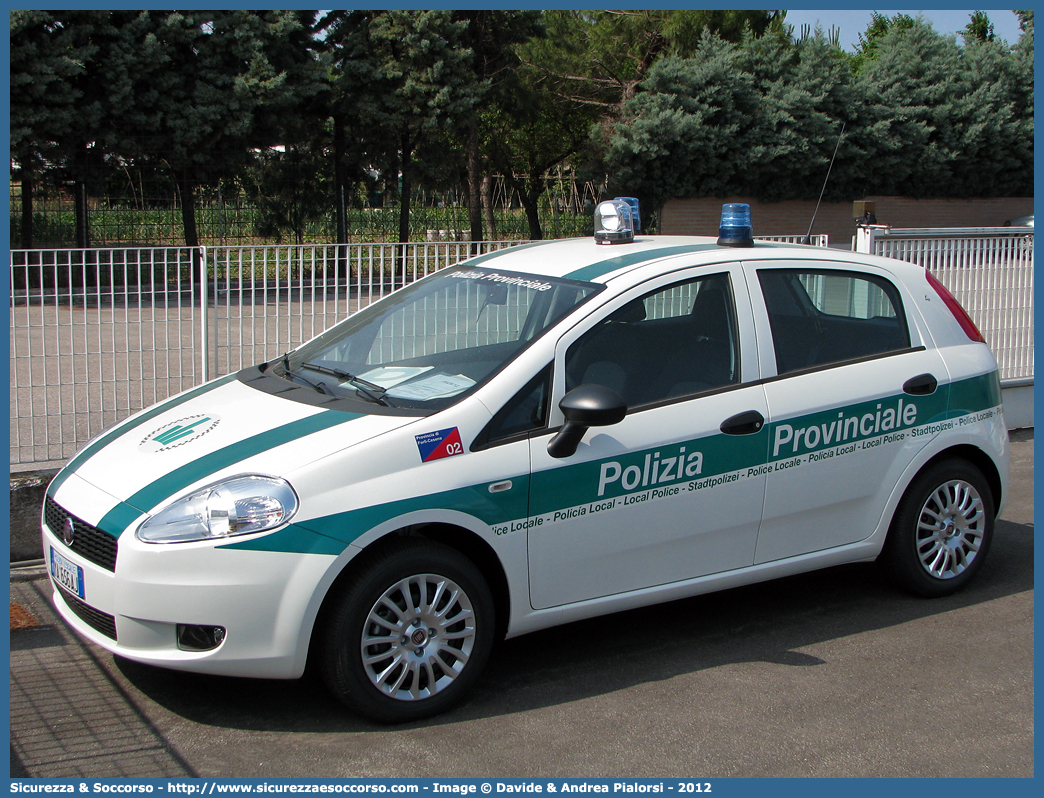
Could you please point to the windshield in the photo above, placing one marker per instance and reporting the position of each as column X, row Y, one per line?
column 430, row 344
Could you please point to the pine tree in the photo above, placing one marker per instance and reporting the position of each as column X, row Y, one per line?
column 198, row 91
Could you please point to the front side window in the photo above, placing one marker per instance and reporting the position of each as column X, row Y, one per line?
column 822, row 317
column 525, row 412
column 669, row 343
column 434, row 342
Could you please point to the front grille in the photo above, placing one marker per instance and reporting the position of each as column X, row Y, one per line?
column 96, row 619
column 89, row 541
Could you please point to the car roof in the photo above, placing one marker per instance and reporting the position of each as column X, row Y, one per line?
column 583, row 259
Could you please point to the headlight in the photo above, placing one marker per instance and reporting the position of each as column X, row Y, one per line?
column 235, row 506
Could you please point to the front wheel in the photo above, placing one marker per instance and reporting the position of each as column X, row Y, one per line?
column 410, row 632
column 942, row 530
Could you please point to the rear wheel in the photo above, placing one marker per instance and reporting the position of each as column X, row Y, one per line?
column 410, row 632
column 942, row 529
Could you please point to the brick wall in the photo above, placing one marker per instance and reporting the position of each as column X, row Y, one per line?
column 700, row 216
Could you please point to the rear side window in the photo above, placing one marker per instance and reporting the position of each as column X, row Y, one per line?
column 823, row 317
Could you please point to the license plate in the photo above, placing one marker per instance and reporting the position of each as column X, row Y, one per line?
column 66, row 573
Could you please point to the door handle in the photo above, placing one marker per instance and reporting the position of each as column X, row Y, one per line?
column 921, row 385
column 746, row 423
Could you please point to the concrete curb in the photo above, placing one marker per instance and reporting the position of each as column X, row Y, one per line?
column 28, row 570
column 27, row 496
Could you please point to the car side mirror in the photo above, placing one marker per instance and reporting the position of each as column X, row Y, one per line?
column 585, row 406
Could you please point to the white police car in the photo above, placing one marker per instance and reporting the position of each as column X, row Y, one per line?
column 538, row 435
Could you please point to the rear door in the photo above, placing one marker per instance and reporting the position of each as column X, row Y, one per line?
column 855, row 379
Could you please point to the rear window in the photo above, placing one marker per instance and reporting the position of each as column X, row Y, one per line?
column 823, row 317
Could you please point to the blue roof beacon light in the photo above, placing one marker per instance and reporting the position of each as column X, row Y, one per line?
column 613, row 223
column 735, row 229
column 636, row 214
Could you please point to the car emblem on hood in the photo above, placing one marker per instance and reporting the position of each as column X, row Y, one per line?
column 178, row 433
column 68, row 531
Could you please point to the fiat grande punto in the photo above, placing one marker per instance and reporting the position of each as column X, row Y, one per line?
column 534, row 436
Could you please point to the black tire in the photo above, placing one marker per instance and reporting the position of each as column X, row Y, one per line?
column 429, row 643
column 941, row 531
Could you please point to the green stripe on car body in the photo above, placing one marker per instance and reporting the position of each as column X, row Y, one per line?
column 475, row 500
column 169, row 485
column 972, row 395
column 603, row 267
column 600, row 268
column 106, row 438
column 507, row 250
column 291, row 539
column 557, row 489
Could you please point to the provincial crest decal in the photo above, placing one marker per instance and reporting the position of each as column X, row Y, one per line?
column 178, row 433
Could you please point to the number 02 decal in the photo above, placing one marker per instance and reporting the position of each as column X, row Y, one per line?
column 436, row 445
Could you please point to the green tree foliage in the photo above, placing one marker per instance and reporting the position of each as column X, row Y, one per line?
column 199, row 91
column 44, row 64
column 47, row 59
column 529, row 125
column 606, row 54
column 684, row 28
column 58, row 107
column 879, row 27
column 652, row 103
column 352, row 106
column 942, row 120
column 1020, row 69
column 761, row 117
column 925, row 117
column 805, row 93
column 492, row 37
column 289, row 185
column 601, row 58
column 408, row 78
column 287, row 188
column 978, row 29
column 529, row 134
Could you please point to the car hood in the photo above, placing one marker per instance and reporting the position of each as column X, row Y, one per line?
column 214, row 431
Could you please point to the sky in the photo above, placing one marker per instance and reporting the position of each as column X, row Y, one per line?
column 852, row 23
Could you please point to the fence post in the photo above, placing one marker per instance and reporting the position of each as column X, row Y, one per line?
column 200, row 253
column 866, row 235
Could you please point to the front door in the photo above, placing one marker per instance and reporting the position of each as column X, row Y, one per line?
column 664, row 495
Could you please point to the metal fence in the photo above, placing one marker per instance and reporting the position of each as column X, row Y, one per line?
column 267, row 300
column 989, row 270
column 98, row 334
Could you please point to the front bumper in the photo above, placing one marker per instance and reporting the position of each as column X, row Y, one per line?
column 266, row 601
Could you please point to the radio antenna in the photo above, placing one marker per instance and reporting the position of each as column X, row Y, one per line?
column 808, row 236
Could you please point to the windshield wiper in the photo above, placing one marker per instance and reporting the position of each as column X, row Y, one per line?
column 370, row 390
column 295, row 376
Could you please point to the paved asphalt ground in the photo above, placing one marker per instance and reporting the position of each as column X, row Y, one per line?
column 827, row 674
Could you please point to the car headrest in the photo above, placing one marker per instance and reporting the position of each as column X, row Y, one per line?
column 710, row 312
column 631, row 312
